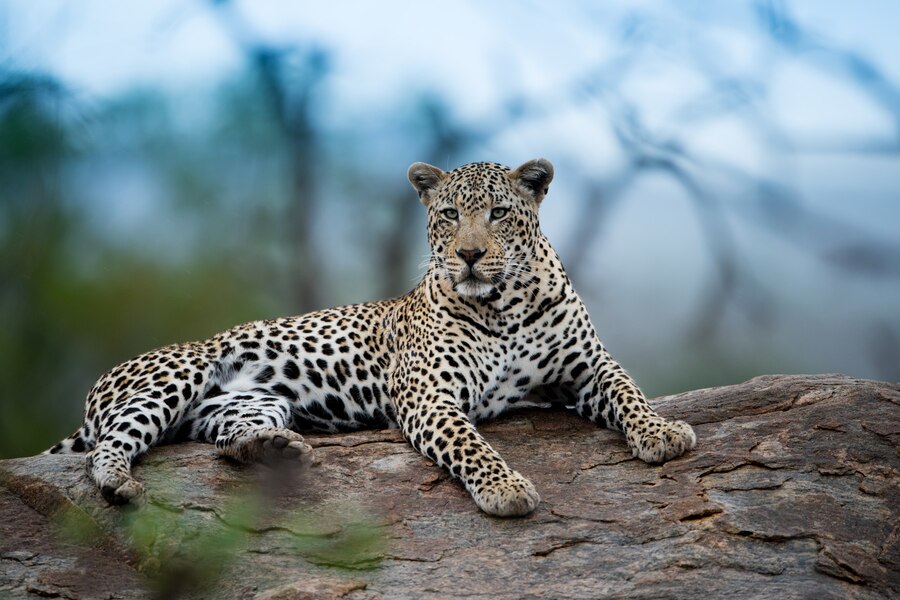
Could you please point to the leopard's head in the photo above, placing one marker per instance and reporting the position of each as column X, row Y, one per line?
column 482, row 221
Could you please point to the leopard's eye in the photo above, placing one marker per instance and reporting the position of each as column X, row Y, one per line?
column 450, row 213
column 498, row 213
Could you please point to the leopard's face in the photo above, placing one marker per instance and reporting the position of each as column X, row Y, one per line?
column 482, row 221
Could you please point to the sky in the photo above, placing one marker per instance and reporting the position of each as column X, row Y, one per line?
column 108, row 46
column 473, row 53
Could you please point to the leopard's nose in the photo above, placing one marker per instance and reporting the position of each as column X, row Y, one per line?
column 471, row 256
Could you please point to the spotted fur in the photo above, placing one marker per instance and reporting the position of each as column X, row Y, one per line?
column 494, row 318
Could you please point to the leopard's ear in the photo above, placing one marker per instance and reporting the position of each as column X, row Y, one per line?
column 533, row 178
column 425, row 179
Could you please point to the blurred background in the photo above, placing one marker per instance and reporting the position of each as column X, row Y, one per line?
column 727, row 192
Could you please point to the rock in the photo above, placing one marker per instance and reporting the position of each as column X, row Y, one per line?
column 791, row 492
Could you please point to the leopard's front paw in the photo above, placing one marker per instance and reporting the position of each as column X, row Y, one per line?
column 662, row 440
column 511, row 496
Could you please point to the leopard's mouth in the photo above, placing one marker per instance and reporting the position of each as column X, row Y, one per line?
column 471, row 282
column 472, row 275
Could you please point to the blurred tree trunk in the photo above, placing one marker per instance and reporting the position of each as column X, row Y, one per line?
column 289, row 88
column 294, row 118
column 447, row 141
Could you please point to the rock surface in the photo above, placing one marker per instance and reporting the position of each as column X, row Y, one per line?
column 792, row 492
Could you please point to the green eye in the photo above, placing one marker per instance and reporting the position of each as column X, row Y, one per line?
column 450, row 213
column 498, row 213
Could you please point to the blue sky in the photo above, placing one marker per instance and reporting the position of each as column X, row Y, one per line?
column 474, row 54
column 104, row 46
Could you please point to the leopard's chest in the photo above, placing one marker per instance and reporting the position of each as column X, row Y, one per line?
column 510, row 382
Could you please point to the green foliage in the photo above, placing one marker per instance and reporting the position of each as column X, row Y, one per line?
column 185, row 550
column 356, row 542
column 182, row 555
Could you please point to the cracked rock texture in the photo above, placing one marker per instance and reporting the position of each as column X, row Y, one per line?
column 792, row 492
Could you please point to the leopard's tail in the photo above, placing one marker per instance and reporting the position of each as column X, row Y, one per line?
column 74, row 444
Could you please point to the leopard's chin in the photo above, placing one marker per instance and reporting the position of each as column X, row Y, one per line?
column 472, row 287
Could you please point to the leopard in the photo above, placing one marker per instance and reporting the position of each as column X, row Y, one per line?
column 493, row 324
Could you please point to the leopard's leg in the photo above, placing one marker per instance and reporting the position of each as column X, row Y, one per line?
column 607, row 395
column 438, row 428
column 125, row 431
column 246, row 426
